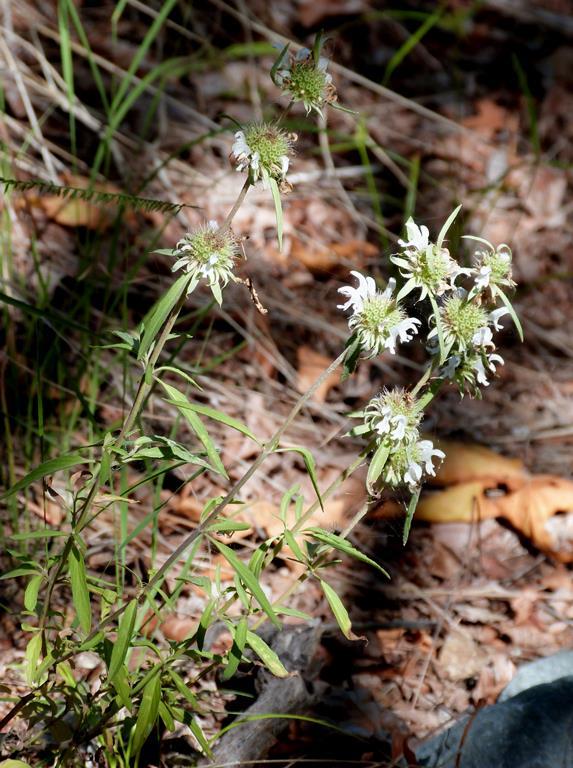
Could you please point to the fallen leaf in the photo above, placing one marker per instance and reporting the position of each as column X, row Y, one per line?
column 319, row 257
column 465, row 462
column 310, row 366
column 178, row 629
column 460, row 657
column 535, row 506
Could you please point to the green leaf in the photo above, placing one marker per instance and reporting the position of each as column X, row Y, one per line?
column 32, row 656
column 236, row 652
column 353, row 348
column 121, row 684
column 337, row 542
column 46, row 468
column 124, row 636
column 413, row 503
column 310, row 465
column 166, row 716
column 80, row 592
column 44, row 533
column 376, row 466
column 183, row 689
column 182, row 404
column 278, row 62
column 222, row 525
column 249, row 580
column 200, row 736
column 447, row 225
column 157, row 315
column 25, row 570
column 278, row 209
column 293, row 544
column 147, row 714
column 222, row 418
column 498, row 292
column 439, row 327
column 14, row 764
column 31, row 593
column 338, row 609
column 267, row 655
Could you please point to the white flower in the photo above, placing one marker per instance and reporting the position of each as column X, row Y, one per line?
column 480, row 369
column 263, row 150
column 494, row 316
column 357, row 296
column 377, row 319
column 483, row 337
column 426, row 267
column 427, row 453
column 418, row 237
column 207, row 253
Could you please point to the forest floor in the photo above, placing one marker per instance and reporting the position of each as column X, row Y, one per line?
column 476, row 112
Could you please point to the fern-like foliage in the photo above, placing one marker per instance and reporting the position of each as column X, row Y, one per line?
column 98, row 197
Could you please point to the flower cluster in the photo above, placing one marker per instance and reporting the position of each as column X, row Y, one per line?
column 208, row 253
column 462, row 322
column 377, row 319
column 393, row 417
column 303, row 77
column 263, row 150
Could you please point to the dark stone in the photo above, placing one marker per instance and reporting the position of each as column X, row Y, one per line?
column 531, row 730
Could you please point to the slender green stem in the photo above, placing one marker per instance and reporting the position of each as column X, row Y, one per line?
column 238, row 202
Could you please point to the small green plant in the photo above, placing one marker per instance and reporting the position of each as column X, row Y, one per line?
column 147, row 683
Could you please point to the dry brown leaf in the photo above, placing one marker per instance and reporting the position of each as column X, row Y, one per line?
column 465, row 462
column 178, row 629
column 491, row 118
column 535, row 506
column 461, row 657
column 310, row 366
column 319, row 257
column 77, row 213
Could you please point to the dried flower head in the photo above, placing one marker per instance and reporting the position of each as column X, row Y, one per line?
column 377, row 319
column 303, row 77
column 209, row 253
column 263, row 150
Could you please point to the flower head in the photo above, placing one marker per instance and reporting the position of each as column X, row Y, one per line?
column 492, row 268
column 472, row 370
column 394, row 417
column 303, row 78
column 207, row 253
column 263, row 150
column 409, row 462
column 377, row 318
column 426, row 267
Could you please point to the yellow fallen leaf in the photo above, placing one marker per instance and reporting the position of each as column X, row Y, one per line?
column 465, row 462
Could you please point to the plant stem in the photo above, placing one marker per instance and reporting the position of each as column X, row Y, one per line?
column 238, row 202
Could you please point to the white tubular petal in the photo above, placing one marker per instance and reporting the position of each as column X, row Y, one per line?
column 284, row 165
column 481, row 375
column 413, row 474
column 495, row 315
column 389, row 290
column 483, row 337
